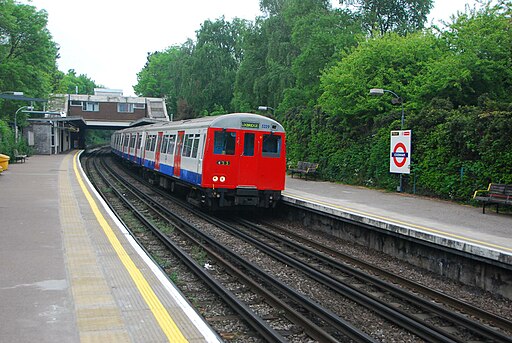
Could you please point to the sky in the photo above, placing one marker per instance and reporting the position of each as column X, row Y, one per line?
column 108, row 40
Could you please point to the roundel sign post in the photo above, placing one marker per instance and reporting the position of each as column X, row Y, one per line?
column 400, row 154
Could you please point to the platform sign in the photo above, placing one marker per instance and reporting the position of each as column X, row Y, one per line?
column 400, row 154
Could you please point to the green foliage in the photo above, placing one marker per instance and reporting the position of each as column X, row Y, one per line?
column 27, row 53
column 97, row 137
column 385, row 16
column 197, row 78
column 6, row 139
column 70, row 83
column 315, row 66
column 8, row 143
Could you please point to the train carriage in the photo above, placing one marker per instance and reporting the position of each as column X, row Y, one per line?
column 228, row 160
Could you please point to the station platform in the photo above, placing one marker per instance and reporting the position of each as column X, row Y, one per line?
column 444, row 223
column 70, row 272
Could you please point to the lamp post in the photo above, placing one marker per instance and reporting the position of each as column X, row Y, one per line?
column 397, row 99
column 266, row 108
column 30, row 108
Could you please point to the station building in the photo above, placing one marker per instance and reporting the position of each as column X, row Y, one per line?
column 62, row 125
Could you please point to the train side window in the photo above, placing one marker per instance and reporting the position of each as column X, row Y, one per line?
column 172, row 142
column 224, row 143
column 271, row 146
column 187, row 145
column 164, row 144
column 249, row 144
column 139, row 143
column 195, row 146
column 153, row 143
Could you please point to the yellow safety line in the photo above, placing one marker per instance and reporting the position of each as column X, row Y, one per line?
column 168, row 326
column 372, row 215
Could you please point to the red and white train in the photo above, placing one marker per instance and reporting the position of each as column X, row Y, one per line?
column 224, row 161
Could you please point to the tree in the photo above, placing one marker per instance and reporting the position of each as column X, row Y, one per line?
column 27, row 53
column 384, row 16
column 479, row 46
column 70, row 83
column 197, row 78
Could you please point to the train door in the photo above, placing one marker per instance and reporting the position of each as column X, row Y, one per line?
column 177, row 154
column 248, row 170
column 200, row 153
column 157, row 151
column 138, row 146
column 143, row 148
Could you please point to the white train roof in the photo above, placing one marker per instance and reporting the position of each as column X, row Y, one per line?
column 225, row 121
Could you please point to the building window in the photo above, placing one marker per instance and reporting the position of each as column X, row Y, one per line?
column 89, row 106
column 76, row 103
column 123, row 107
column 139, row 106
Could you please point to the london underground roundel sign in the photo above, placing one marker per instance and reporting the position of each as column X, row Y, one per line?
column 400, row 152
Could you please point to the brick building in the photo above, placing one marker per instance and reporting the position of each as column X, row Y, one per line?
column 62, row 125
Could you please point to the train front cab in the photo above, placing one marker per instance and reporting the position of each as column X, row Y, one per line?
column 245, row 167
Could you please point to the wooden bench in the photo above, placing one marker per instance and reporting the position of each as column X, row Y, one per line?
column 18, row 156
column 305, row 168
column 494, row 194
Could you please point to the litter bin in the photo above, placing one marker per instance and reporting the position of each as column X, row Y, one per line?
column 4, row 161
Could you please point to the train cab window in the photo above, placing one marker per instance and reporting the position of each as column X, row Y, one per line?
column 271, row 146
column 249, row 144
column 224, row 143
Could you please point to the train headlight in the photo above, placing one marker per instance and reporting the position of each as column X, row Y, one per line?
column 215, row 178
column 222, row 179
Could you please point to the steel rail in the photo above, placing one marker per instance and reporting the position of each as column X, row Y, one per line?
column 394, row 315
column 462, row 306
column 241, row 308
column 343, row 326
column 471, row 325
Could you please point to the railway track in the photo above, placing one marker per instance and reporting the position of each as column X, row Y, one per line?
column 416, row 309
column 241, row 277
column 276, row 311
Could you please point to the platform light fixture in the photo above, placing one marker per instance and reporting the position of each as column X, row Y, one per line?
column 266, row 108
column 22, row 108
column 396, row 100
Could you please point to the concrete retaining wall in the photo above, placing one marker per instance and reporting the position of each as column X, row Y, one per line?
column 455, row 263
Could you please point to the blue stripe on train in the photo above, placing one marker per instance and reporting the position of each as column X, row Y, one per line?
column 185, row 175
